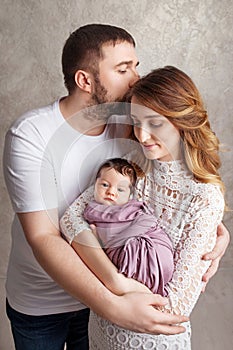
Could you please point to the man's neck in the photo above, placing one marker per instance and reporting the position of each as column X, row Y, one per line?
column 77, row 115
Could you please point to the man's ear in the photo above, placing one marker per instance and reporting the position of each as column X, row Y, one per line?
column 83, row 80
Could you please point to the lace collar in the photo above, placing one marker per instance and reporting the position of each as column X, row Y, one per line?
column 176, row 167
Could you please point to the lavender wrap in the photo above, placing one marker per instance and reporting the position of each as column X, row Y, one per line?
column 134, row 242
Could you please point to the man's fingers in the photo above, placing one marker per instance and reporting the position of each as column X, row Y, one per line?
column 169, row 330
column 154, row 321
column 158, row 300
column 166, row 318
column 170, row 319
column 211, row 270
column 170, row 324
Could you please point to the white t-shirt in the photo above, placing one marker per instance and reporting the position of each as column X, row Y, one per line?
column 47, row 164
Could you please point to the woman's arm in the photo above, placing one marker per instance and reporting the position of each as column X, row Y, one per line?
column 199, row 236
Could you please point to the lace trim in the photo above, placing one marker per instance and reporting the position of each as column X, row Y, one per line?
column 104, row 335
column 175, row 167
column 72, row 222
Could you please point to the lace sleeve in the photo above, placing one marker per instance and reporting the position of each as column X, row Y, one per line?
column 72, row 222
column 198, row 237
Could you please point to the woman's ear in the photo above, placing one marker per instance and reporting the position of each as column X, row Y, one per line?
column 83, row 80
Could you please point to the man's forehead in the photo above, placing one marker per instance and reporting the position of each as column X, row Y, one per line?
column 118, row 48
column 112, row 43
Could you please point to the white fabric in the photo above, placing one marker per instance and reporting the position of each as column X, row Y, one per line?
column 189, row 211
column 47, row 165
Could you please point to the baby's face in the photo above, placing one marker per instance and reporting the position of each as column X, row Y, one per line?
column 112, row 188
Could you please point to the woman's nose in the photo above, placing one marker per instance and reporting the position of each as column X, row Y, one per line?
column 142, row 135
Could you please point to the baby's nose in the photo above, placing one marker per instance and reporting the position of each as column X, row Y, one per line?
column 111, row 191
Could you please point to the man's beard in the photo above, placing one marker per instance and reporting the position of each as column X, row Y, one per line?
column 102, row 107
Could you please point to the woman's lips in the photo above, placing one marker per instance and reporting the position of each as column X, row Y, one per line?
column 149, row 147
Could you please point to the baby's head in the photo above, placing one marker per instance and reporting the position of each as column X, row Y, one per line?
column 114, row 182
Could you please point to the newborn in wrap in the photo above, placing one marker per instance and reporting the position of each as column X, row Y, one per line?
column 134, row 242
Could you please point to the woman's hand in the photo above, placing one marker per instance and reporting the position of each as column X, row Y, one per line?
column 222, row 242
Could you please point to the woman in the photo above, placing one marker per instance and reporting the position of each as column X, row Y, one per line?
column 183, row 188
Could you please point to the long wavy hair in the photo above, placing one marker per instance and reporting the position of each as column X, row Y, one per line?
column 171, row 93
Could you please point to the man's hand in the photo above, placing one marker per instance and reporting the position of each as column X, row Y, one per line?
column 222, row 242
column 136, row 311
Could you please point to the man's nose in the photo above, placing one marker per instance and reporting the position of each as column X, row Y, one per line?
column 135, row 77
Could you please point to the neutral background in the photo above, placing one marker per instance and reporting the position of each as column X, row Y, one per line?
column 195, row 36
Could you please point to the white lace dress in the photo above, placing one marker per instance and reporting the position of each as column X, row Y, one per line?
column 189, row 211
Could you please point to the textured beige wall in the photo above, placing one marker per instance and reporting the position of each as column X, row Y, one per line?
column 194, row 35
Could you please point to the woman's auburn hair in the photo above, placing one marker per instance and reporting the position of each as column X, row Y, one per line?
column 171, row 93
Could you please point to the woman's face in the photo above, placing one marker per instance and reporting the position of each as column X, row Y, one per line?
column 158, row 137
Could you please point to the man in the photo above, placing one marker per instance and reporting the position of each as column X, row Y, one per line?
column 49, row 158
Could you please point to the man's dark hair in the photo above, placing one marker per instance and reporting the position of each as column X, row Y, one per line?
column 82, row 49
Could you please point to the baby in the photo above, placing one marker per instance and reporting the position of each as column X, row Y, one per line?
column 128, row 231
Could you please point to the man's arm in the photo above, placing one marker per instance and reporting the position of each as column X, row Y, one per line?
column 222, row 242
column 61, row 262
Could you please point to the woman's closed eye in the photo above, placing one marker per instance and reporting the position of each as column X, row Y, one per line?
column 156, row 124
